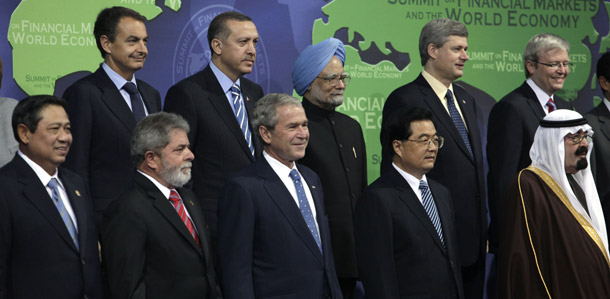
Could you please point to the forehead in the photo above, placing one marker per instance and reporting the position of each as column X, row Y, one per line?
column 290, row 113
column 178, row 136
column 334, row 66
column 129, row 25
column 422, row 127
column 241, row 28
column 53, row 113
column 454, row 40
column 554, row 54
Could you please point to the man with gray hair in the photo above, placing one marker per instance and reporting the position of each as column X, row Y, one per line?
column 273, row 235
column 459, row 166
column 154, row 241
column 514, row 119
column 552, row 233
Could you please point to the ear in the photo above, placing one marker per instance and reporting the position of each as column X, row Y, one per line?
column 603, row 83
column 530, row 66
column 151, row 161
column 216, row 46
column 397, row 146
column 106, row 44
column 432, row 50
column 265, row 134
column 24, row 133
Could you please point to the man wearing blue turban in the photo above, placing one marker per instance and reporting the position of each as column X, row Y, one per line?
column 336, row 150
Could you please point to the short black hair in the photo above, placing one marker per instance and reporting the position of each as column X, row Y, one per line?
column 28, row 110
column 603, row 67
column 218, row 28
column 108, row 20
column 398, row 127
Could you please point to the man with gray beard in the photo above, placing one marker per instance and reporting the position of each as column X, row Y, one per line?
column 153, row 240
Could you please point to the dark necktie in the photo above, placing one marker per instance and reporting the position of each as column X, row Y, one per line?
column 430, row 207
column 177, row 203
column 240, row 115
column 62, row 211
column 137, row 106
column 551, row 105
column 457, row 120
column 304, row 206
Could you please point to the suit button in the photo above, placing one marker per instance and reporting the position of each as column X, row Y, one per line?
column 346, row 169
column 82, row 261
column 85, row 297
column 340, row 145
column 332, row 122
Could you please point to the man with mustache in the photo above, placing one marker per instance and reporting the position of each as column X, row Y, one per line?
column 404, row 222
column 442, row 47
column 105, row 106
column 552, row 233
column 336, row 150
column 217, row 102
column 515, row 118
column 154, row 241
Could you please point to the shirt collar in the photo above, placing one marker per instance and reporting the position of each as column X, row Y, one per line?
column 118, row 81
column 607, row 103
column 309, row 107
column 162, row 188
column 413, row 181
column 280, row 169
column 543, row 98
column 41, row 173
column 224, row 80
column 439, row 88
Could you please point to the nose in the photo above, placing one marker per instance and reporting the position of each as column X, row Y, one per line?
column 340, row 84
column 302, row 132
column 64, row 135
column 465, row 56
column 251, row 48
column 189, row 155
column 142, row 47
column 563, row 69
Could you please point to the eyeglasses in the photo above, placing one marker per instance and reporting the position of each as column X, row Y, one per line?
column 577, row 139
column 334, row 80
column 438, row 141
column 555, row 65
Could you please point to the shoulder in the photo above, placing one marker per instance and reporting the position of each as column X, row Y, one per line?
column 438, row 187
column 197, row 80
column 143, row 85
column 7, row 105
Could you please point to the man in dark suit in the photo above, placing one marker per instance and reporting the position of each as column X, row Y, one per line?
column 106, row 105
column 48, row 237
column 514, row 119
column 155, row 244
column 404, row 222
column 599, row 119
column 336, row 150
column 273, row 235
column 217, row 103
column 442, row 47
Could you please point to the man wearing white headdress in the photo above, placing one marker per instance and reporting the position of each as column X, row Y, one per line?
column 553, row 241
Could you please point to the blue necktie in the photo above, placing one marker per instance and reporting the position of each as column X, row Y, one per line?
column 62, row 211
column 430, row 207
column 240, row 114
column 137, row 106
column 304, row 206
column 457, row 120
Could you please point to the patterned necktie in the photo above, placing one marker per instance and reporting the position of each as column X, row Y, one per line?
column 136, row 101
column 457, row 120
column 62, row 211
column 175, row 199
column 240, row 114
column 551, row 105
column 430, row 208
column 304, row 206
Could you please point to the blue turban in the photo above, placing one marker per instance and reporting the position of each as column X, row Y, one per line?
column 313, row 60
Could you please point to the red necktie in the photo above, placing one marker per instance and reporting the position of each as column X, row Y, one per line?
column 551, row 105
column 175, row 199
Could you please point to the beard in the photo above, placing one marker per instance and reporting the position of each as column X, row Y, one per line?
column 328, row 102
column 582, row 163
column 175, row 176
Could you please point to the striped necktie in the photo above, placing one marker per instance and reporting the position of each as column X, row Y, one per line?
column 62, row 211
column 457, row 120
column 304, row 207
column 240, row 115
column 430, row 207
column 177, row 203
column 551, row 105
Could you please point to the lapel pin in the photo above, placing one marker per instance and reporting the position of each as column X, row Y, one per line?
column 77, row 192
column 313, row 187
column 463, row 102
column 247, row 99
column 191, row 202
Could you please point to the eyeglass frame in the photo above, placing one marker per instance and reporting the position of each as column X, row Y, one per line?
column 556, row 64
column 579, row 137
column 440, row 141
column 336, row 78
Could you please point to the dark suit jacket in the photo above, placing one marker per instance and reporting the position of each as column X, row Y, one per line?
column 216, row 139
column 38, row 258
column 102, row 125
column 148, row 251
column 454, row 168
column 265, row 247
column 512, row 124
column 599, row 120
column 399, row 251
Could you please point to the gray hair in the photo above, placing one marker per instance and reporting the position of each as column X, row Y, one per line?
column 153, row 133
column 265, row 110
column 437, row 32
column 541, row 43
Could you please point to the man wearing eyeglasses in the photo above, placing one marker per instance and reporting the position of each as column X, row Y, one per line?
column 336, row 150
column 514, row 119
column 404, row 222
column 552, row 234
column 442, row 46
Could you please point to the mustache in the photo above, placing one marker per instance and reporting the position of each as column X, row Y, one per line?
column 581, row 150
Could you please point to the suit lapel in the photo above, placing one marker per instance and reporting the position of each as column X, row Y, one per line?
column 148, row 98
column 112, row 98
column 37, row 194
column 532, row 100
column 221, row 104
column 78, row 206
column 408, row 197
column 604, row 117
column 283, row 199
column 194, row 212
